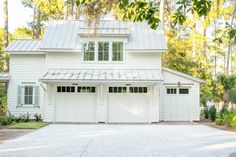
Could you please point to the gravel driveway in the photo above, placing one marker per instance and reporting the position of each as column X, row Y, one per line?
column 67, row 140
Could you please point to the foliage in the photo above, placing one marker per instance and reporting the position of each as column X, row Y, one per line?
column 28, row 125
column 206, row 112
column 38, row 117
column 7, row 120
column 233, row 122
column 219, row 121
column 4, row 104
column 23, row 118
column 22, row 33
column 212, row 113
column 227, row 117
column 140, row 10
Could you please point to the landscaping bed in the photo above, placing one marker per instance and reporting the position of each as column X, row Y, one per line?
column 225, row 119
column 214, row 125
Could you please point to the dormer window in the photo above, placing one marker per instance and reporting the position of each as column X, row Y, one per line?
column 89, row 51
column 117, row 51
column 103, row 51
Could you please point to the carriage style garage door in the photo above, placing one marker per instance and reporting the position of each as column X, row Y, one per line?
column 128, row 104
column 75, row 104
column 178, row 102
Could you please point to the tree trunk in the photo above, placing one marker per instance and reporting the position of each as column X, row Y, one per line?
column 215, row 58
column 65, row 15
column 161, row 16
column 5, row 8
column 33, row 24
column 38, row 26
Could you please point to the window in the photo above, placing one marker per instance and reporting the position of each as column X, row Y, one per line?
column 117, row 89
column 89, row 51
column 117, row 51
column 183, row 91
column 86, row 89
column 171, row 90
column 103, row 51
column 28, row 94
column 67, row 89
column 138, row 89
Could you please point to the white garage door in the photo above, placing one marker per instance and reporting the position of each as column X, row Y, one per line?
column 75, row 104
column 178, row 102
column 128, row 105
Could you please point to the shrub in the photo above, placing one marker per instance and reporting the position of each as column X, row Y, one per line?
column 233, row 122
column 206, row 112
column 219, row 121
column 38, row 117
column 20, row 118
column 212, row 113
column 4, row 104
column 227, row 117
column 27, row 117
column 7, row 120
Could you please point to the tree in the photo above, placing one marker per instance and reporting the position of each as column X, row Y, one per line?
column 140, row 10
column 22, row 33
column 5, row 8
column 228, row 82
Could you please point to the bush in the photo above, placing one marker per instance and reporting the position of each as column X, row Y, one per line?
column 206, row 112
column 38, row 117
column 233, row 122
column 219, row 121
column 27, row 117
column 7, row 120
column 212, row 113
column 228, row 117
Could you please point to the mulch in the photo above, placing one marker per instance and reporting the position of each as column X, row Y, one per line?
column 209, row 123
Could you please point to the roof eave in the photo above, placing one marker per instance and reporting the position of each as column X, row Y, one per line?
column 184, row 75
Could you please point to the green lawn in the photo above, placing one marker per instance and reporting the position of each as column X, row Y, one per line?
column 28, row 125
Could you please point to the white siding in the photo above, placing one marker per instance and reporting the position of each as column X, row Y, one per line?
column 132, row 61
column 25, row 68
column 170, row 78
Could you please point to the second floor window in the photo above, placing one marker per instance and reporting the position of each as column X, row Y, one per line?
column 117, row 51
column 103, row 51
column 89, row 51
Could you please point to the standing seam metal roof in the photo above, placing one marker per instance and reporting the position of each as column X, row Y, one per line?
column 24, row 45
column 102, row 75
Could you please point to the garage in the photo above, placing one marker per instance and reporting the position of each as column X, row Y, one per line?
column 178, row 103
column 128, row 105
column 75, row 104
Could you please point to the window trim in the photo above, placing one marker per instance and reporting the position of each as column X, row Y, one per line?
column 83, row 53
column 96, row 61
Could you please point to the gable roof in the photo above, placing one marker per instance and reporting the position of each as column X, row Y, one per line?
column 183, row 75
column 23, row 46
column 66, row 35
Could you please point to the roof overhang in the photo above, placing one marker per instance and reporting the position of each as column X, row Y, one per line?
column 146, row 50
column 184, row 75
column 102, row 75
column 4, row 77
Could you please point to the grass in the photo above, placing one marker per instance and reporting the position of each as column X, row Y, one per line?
column 28, row 125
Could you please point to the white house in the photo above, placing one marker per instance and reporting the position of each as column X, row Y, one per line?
column 114, row 77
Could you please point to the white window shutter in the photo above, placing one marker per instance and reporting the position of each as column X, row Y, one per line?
column 19, row 96
column 36, row 96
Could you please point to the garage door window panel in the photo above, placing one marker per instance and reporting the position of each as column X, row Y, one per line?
column 65, row 89
column 117, row 89
column 183, row 91
column 138, row 89
column 171, row 90
column 86, row 89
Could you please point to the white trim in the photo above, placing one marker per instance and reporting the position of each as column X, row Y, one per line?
column 145, row 50
column 183, row 75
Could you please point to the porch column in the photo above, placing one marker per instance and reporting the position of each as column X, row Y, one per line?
column 101, row 104
column 154, row 103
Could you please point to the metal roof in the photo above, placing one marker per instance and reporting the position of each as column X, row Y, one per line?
column 4, row 77
column 122, row 75
column 24, row 45
column 66, row 35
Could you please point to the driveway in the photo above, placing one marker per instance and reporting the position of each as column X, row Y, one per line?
column 67, row 140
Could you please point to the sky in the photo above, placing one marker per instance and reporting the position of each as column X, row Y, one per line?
column 18, row 15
